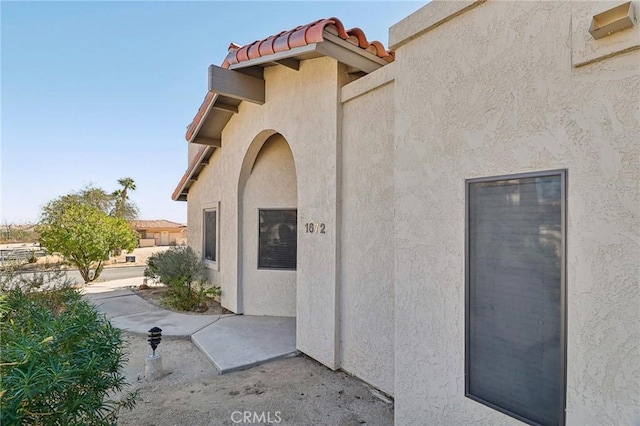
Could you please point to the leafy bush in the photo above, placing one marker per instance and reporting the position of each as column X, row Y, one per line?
column 59, row 360
column 83, row 233
column 180, row 268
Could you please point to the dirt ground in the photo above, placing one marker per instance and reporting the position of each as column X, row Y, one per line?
column 155, row 292
column 292, row 391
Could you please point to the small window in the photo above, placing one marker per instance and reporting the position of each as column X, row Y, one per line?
column 211, row 235
column 278, row 231
column 515, row 295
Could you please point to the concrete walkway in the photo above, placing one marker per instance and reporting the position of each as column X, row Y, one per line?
column 231, row 342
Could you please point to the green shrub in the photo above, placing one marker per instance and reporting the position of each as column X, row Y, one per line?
column 60, row 361
column 180, row 268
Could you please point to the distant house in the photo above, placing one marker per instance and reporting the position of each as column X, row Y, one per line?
column 159, row 232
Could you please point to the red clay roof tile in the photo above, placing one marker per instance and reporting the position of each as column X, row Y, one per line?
column 242, row 54
column 298, row 38
column 266, row 47
column 254, row 50
column 303, row 36
column 281, row 43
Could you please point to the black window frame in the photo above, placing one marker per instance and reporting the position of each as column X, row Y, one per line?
column 260, row 242
column 562, row 173
column 206, row 211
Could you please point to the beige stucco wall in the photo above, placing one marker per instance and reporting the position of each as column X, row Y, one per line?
column 312, row 126
column 272, row 184
column 205, row 193
column 367, row 285
column 494, row 91
column 303, row 106
column 177, row 238
column 146, row 242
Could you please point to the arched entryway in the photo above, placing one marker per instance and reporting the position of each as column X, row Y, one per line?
column 268, row 228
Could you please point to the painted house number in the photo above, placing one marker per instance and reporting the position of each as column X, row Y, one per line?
column 314, row 228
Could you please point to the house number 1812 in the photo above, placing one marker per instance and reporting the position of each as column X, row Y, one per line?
column 314, row 228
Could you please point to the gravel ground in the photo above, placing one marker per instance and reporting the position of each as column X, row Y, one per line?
column 292, row 391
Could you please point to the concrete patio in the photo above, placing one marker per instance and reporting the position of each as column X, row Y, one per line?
column 231, row 342
column 240, row 341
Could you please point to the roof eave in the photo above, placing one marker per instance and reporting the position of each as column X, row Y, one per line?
column 194, row 169
column 332, row 46
column 214, row 105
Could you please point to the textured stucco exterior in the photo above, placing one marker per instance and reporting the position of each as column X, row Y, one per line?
column 271, row 184
column 309, row 124
column 495, row 91
column 477, row 89
column 206, row 193
column 367, row 284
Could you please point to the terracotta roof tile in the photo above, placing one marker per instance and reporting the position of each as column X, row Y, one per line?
column 266, row 47
column 298, row 37
column 303, row 36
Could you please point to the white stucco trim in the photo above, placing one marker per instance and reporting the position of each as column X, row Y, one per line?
column 426, row 19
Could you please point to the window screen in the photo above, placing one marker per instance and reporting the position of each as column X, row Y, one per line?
column 515, row 295
column 278, row 230
column 210, row 237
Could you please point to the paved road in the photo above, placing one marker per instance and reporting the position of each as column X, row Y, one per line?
column 111, row 274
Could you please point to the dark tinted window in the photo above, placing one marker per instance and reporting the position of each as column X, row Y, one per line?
column 210, row 237
column 278, row 230
column 515, row 359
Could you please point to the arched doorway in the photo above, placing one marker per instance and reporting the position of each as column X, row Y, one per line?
column 268, row 229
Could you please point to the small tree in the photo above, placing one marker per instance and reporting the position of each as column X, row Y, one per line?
column 84, row 235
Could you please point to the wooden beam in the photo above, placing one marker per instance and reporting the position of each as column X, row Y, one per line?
column 294, row 64
column 236, row 85
column 225, row 107
column 203, row 140
column 255, row 71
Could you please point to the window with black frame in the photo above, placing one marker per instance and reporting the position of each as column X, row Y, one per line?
column 277, row 239
column 210, row 235
column 515, row 295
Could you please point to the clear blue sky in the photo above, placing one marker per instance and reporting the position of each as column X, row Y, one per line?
column 95, row 91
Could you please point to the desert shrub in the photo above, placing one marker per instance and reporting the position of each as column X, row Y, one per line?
column 183, row 272
column 60, row 360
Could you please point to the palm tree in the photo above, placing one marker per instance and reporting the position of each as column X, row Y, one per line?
column 123, row 207
column 127, row 184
